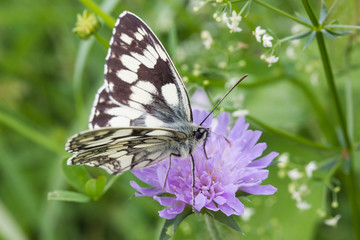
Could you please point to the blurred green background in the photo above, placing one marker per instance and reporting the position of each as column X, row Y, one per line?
column 48, row 78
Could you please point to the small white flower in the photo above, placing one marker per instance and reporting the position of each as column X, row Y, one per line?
column 207, row 39
column 302, row 205
column 283, row 160
column 310, row 167
column 295, row 174
column 270, row 60
column 248, row 212
column 267, row 40
column 332, row 222
column 258, row 33
column 233, row 21
column 224, row 18
column 235, row 17
column 234, row 26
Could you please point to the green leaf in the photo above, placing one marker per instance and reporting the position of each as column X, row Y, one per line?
column 166, row 232
column 60, row 195
column 77, row 176
column 323, row 13
column 311, row 38
column 333, row 34
column 95, row 187
column 303, row 18
column 227, row 220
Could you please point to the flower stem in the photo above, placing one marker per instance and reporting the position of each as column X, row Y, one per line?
column 329, row 75
column 283, row 13
column 108, row 20
column 101, row 40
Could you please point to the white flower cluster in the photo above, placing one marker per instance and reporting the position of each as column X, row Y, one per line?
column 261, row 36
column 296, row 189
column 232, row 22
column 298, row 186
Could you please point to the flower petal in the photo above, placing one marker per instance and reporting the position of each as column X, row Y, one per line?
column 264, row 161
column 235, row 204
column 170, row 213
column 145, row 191
column 220, row 200
column 260, row 189
column 200, row 201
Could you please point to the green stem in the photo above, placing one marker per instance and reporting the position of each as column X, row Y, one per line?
column 331, row 83
column 102, row 40
column 293, row 138
column 329, row 74
column 108, row 20
column 310, row 13
column 283, row 13
column 30, row 133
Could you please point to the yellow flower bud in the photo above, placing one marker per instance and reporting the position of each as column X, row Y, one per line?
column 86, row 25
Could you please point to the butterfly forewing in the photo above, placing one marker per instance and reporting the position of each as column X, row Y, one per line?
column 139, row 74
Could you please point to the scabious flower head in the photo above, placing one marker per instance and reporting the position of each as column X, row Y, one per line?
column 229, row 168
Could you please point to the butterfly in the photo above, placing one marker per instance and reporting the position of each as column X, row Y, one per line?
column 142, row 114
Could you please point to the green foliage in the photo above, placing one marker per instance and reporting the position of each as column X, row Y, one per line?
column 306, row 104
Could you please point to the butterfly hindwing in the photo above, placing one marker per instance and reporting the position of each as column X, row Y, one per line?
column 121, row 149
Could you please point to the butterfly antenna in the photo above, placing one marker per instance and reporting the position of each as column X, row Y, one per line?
column 223, row 99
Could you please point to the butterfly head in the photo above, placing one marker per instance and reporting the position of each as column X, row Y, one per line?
column 200, row 132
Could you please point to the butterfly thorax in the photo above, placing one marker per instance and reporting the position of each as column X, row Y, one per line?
column 194, row 135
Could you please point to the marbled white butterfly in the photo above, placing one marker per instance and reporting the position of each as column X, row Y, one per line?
column 141, row 115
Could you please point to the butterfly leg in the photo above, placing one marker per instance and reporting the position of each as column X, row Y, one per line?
column 168, row 169
column 192, row 182
column 204, row 143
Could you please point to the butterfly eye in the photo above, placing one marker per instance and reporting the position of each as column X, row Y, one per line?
column 199, row 134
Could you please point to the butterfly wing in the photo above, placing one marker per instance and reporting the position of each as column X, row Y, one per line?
column 142, row 86
column 121, row 149
column 142, row 113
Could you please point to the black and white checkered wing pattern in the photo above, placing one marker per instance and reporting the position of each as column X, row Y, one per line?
column 142, row 86
column 141, row 115
column 121, row 149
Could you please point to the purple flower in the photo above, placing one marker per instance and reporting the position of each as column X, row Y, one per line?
column 230, row 167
